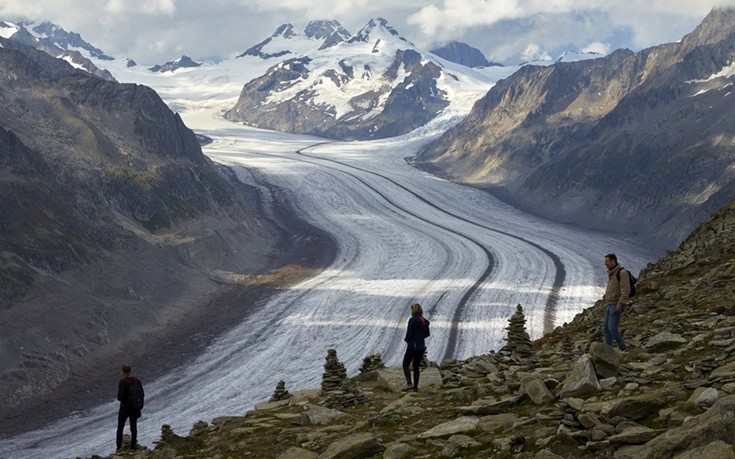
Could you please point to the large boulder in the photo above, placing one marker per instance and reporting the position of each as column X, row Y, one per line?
column 534, row 387
column 581, row 381
column 358, row 446
column 449, row 428
column 664, row 341
column 717, row 423
column 605, row 359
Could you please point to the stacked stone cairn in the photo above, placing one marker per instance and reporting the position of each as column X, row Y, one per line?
column 280, row 393
column 334, row 373
column 371, row 363
column 348, row 395
column 518, row 342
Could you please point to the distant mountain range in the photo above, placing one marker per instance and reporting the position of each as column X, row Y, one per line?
column 57, row 42
column 373, row 84
column 631, row 141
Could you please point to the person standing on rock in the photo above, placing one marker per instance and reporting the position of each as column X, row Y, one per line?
column 616, row 298
column 130, row 394
column 416, row 346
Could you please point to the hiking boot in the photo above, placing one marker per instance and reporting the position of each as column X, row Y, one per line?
column 407, row 388
column 415, row 389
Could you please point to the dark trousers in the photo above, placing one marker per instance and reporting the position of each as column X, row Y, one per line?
column 122, row 416
column 414, row 355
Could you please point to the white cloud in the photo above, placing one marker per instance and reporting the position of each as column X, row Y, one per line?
column 597, row 47
column 533, row 52
column 153, row 31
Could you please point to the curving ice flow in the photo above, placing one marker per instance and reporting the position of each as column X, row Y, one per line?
column 403, row 236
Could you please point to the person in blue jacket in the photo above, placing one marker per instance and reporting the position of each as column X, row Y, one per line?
column 415, row 347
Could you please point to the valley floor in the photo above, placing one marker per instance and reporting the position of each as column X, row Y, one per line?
column 402, row 236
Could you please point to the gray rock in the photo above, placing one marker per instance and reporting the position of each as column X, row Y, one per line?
column 605, row 359
column 399, row 451
column 717, row 449
column 640, row 407
column 717, row 423
column 534, row 387
column 636, row 435
column 725, row 371
column 581, row 381
column 608, row 383
column 498, row 423
column 588, row 420
column 664, row 341
column 457, row 426
column 298, row 453
column 704, row 398
column 357, row 446
column 488, row 408
column 320, row 415
column 546, row 454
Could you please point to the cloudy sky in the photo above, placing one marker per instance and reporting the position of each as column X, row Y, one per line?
column 155, row 31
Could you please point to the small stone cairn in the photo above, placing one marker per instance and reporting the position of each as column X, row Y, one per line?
column 519, row 343
column 280, row 393
column 349, row 394
column 371, row 363
column 334, row 373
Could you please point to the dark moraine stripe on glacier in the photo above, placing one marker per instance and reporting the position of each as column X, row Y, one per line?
column 551, row 300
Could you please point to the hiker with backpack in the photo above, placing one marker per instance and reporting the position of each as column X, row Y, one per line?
column 620, row 287
column 416, row 332
column 131, row 396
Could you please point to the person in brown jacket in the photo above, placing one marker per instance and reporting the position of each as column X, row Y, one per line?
column 616, row 297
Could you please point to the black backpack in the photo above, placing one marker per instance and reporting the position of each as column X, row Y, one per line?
column 633, row 281
column 135, row 395
column 424, row 323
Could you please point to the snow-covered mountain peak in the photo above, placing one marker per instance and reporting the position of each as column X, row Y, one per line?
column 375, row 29
column 8, row 29
column 576, row 56
column 51, row 34
column 299, row 39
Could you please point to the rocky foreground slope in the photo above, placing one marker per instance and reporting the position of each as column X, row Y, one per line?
column 672, row 395
column 637, row 142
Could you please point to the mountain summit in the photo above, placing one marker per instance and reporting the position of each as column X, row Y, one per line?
column 375, row 84
column 57, row 42
column 287, row 39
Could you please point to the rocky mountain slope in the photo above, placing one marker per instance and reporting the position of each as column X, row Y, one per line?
column 116, row 231
column 375, row 84
column 462, row 53
column 638, row 142
column 672, row 394
column 56, row 41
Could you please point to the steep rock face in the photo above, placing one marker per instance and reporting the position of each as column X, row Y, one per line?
column 113, row 224
column 375, row 85
column 462, row 53
column 637, row 142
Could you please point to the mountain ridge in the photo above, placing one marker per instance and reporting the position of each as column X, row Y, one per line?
column 595, row 142
column 103, row 185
